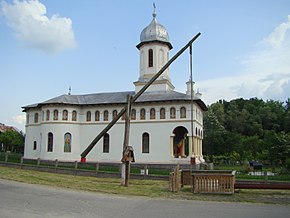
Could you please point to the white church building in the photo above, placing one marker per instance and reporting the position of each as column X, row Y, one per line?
column 166, row 126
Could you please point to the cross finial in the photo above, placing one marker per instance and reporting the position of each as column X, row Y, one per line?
column 69, row 91
column 154, row 11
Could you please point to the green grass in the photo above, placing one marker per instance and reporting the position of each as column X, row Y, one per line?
column 145, row 188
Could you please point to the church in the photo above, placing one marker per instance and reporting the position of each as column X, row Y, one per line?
column 166, row 125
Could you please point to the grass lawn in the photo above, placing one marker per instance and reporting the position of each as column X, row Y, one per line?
column 146, row 188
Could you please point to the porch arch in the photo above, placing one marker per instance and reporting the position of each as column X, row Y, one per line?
column 180, row 142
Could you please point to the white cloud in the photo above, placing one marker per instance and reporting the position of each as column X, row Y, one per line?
column 265, row 72
column 35, row 30
column 19, row 119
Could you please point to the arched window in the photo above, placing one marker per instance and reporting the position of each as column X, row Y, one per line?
column 97, row 116
column 89, row 116
column 36, row 118
column 152, row 113
column 106, row 143
column 34, row 145
column 42, row 116
column 142, row 114
column 115, row 112
column 172, row 113
column 182, row 112
column 64, row 115
column 67, row 142
column 145, row 143
column 27, row 118
column 55, row 114
column 50, row 142
column 106, row 115
column 74, row 116
column 162, row 113
column 133, row 114
column 47, row 115
column 150, row 58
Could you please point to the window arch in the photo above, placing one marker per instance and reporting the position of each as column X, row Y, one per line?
column 145, row 143
column 150, row 58
column 142, row 114
column 49, row 142
column 97, row 116
column 106, row 143
column 89, row 116
column 115, row 112
column 55, row 114
column 152, row 113
column 133, row 114
column 67, row 142
column 36, row 118
column 74, row 116
column 162, row 113
column 47, row 115
column 106, row 115
column 172, row 113
column 64, row 115
column 182, row 112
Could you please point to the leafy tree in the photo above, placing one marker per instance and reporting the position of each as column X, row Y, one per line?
column 12, row 140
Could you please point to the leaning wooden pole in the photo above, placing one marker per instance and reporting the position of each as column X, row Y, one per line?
column 135, row 97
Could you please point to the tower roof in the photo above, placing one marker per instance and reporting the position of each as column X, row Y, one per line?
column 154, row 32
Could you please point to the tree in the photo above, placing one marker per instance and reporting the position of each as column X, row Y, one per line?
column 12, row 140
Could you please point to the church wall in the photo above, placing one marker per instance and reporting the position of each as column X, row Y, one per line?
column 83, row 132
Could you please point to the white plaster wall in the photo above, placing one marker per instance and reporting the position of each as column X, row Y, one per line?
column 84, row 132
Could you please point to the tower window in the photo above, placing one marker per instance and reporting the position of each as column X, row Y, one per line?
column 133, row 114
column 36, row 118
column 97, row 116
column 64, row 114
column 55, row 115
column 106, row 115
column 172, row 113
column 89, row 116
column 142, row 114
column 152, row 113
column 74, row 116
column 162, row 113
column 150, row 58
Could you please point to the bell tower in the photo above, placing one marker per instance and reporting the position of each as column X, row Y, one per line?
column 154, row 50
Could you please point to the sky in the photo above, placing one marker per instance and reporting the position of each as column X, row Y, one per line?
column 48, row 46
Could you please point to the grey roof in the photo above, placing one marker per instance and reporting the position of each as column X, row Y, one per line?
column 116, row 98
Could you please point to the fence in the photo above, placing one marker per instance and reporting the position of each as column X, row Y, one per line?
column 214, row 183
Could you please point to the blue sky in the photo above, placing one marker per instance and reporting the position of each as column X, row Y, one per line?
column 47, row 46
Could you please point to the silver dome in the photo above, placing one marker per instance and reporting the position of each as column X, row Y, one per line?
column 154, row 32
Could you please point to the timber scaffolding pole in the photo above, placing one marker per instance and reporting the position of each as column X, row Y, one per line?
column 134, row 98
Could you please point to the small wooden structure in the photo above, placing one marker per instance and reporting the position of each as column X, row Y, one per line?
column 175, row 180
column 203, row 181
column 213, row 183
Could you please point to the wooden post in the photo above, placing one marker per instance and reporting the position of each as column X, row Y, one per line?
column 125, row 169
column 76, row 167
column 21, row 162
column 56, row 164
column 6, row 157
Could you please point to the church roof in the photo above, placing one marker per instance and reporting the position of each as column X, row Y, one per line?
column 116, row 98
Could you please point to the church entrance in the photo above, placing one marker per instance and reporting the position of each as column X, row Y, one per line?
column 180, row 142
